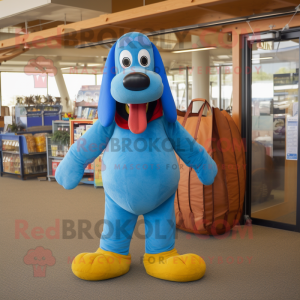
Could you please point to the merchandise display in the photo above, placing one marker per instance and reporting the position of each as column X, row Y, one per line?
column 60, row 125
column 11, row 163
column 12, row 146
column 57, row 145
column 79, row 131
column 137, row 107
column 89, row 113
column 55, row 164
column 40, row 141
column 19, row 155
column 29, row 115
column 54, row 150
column 78, row 128
column 31, row 145
column 35, row 164
column 98, row 166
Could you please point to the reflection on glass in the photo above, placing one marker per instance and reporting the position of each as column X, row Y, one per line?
column 214, row 86
column 177, row 81
column 196, row 74
column 226, row 87
column 220, row 78
column 275, row 69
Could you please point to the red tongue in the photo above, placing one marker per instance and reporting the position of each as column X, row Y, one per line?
column 137, row 118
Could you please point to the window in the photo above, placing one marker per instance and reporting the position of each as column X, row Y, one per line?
column 15, row 85
column 75, row 81
column 197, row 74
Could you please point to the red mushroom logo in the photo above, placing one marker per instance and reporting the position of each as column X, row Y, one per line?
column 39, row 68
column 39, row 258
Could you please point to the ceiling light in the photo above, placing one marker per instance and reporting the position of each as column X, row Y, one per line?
column 196, row 49
column 93, row 65
column 223, row 57
column 67, row 64
column 260, row 58
column 65, row 68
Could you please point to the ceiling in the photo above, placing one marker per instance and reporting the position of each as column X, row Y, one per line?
column 13, row 12
column 75, row 17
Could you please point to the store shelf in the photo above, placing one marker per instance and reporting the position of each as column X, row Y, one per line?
column 57, row 157
column 34, row 153
column 10, row 173
column 91, row 171
column 25, row 175
column 86, row 104
column 61, row 123
column 21, row 163
column 86, row 181
column 10, row 152
column 35, row 173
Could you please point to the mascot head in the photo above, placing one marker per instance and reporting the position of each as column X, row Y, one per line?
column 135, row 88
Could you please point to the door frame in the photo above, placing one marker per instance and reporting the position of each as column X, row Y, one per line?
column 246, row 131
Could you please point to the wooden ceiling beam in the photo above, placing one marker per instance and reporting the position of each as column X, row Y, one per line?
column 246, row 8
column 8, row 54
column 290, row 2
column 261, row 25
column 158, row 9
column 158, row 16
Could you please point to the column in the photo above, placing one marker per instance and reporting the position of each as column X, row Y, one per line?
column 62, row 88
column 200, row 65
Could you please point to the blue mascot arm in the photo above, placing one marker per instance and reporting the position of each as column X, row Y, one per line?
column 192, row 153
column 70, row 171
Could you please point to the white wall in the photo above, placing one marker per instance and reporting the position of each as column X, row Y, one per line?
column 100, row 5
column 10, row 8
column 14, row 7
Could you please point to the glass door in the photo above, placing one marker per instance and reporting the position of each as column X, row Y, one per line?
column 271, row 96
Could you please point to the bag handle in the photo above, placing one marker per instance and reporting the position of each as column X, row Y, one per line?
column 189, row 110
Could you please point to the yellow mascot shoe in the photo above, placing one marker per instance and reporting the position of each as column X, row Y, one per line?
column 174, row 267
column 100, row 265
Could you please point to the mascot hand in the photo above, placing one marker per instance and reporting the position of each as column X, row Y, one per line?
column 193, row 154
column 68, row 174
column 70, row 171
column 207, row 170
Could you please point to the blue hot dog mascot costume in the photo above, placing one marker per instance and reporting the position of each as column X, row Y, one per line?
column 138, row 130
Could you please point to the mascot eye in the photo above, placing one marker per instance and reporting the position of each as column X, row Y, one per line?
column 125, row 59
column 144, row 61
column 144, row 58
column 126, row 62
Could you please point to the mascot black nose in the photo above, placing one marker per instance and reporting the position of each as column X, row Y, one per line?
column 136, row 81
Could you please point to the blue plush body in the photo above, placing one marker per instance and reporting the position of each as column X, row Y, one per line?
column 141, row 171
column 146, row 175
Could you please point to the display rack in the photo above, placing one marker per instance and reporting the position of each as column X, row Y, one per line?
column 54, row 156
column 18, row 161
column 88, row 177
column 98, row 167
column 37, row 115
column 63, row 125
column 86, row 110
